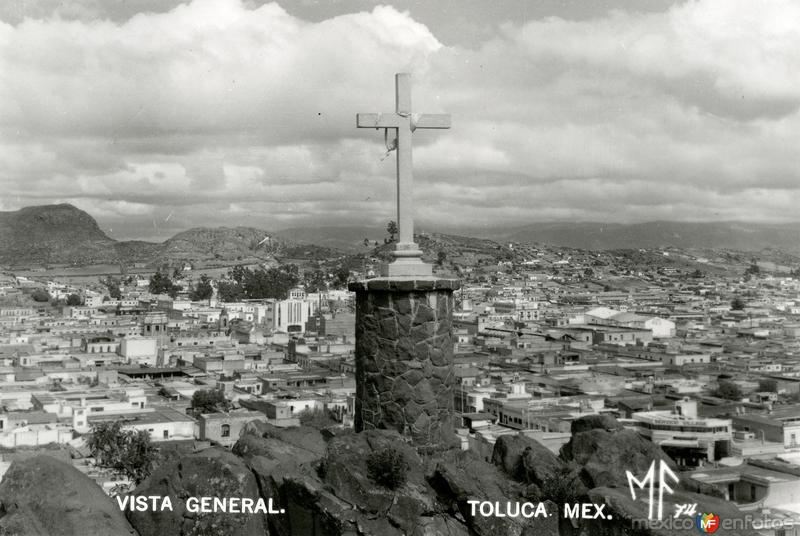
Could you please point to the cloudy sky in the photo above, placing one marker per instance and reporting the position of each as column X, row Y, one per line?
column 156, row 115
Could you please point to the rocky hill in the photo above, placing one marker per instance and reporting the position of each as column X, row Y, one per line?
column 345, row 238
column 66, row 235
column 52, row 234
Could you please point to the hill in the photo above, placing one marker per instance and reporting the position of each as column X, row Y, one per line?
column 53, row 233
column 65, row 235
column 346, row 238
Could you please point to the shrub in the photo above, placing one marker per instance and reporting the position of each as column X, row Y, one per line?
column 387, row 467
column 209, row 401
column 127, row 451
column 728, row 391
column 40, row 295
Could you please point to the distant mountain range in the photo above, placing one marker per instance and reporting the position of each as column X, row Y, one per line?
column 719, row 235
column 64, row 234
column 739, row 236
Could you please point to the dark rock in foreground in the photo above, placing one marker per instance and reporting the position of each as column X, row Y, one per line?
column 604, row 456
column 213, row 472
column 525, row 459
column 463, row 477
column 335, row 496
column 42, row 496
column 595, row 422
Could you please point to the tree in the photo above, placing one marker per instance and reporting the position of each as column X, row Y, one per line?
column 203, row 290
column 112, row 285
column 314, row 281
column 229, row 291
column 209, row 401
column 341, row 276
column 40, row 295
column 392, row 229
column 270, row 283
column 160, row 283
column 728, row 390
column 768, row 385
column 737, row 304
column 753, row 269
column 441, row 257
column 73, row 300
column 238, row 273
column 258, row 283
column 173, row 291
column 128, row 451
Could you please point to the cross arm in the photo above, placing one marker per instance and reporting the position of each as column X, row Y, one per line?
column 430, row 121
column 379, row 120
column 393, row 120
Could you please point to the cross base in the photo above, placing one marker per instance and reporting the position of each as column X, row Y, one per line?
column 407, row 262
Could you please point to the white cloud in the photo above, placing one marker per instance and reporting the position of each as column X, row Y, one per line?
column 220, row 113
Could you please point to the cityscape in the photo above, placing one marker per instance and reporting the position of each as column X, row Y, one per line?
column 233, row 303
column 695, row 351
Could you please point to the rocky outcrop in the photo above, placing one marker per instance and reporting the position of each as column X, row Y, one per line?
column 595, row 422
column 524, row 459
column 463, row 477
column 335, row 496
column 604, row 456
column 213, row 472
column 41, row 496
column 275, row 444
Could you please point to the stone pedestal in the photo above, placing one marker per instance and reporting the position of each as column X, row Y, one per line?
column 404, row 357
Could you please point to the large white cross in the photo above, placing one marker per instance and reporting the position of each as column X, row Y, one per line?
column 408, row 257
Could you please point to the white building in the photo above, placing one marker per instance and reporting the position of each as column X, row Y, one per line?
column 685, row 437
column 162, row 423
column 141, row 350
column 291, row 315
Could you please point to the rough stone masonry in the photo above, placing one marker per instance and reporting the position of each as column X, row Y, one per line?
column 404, row 358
